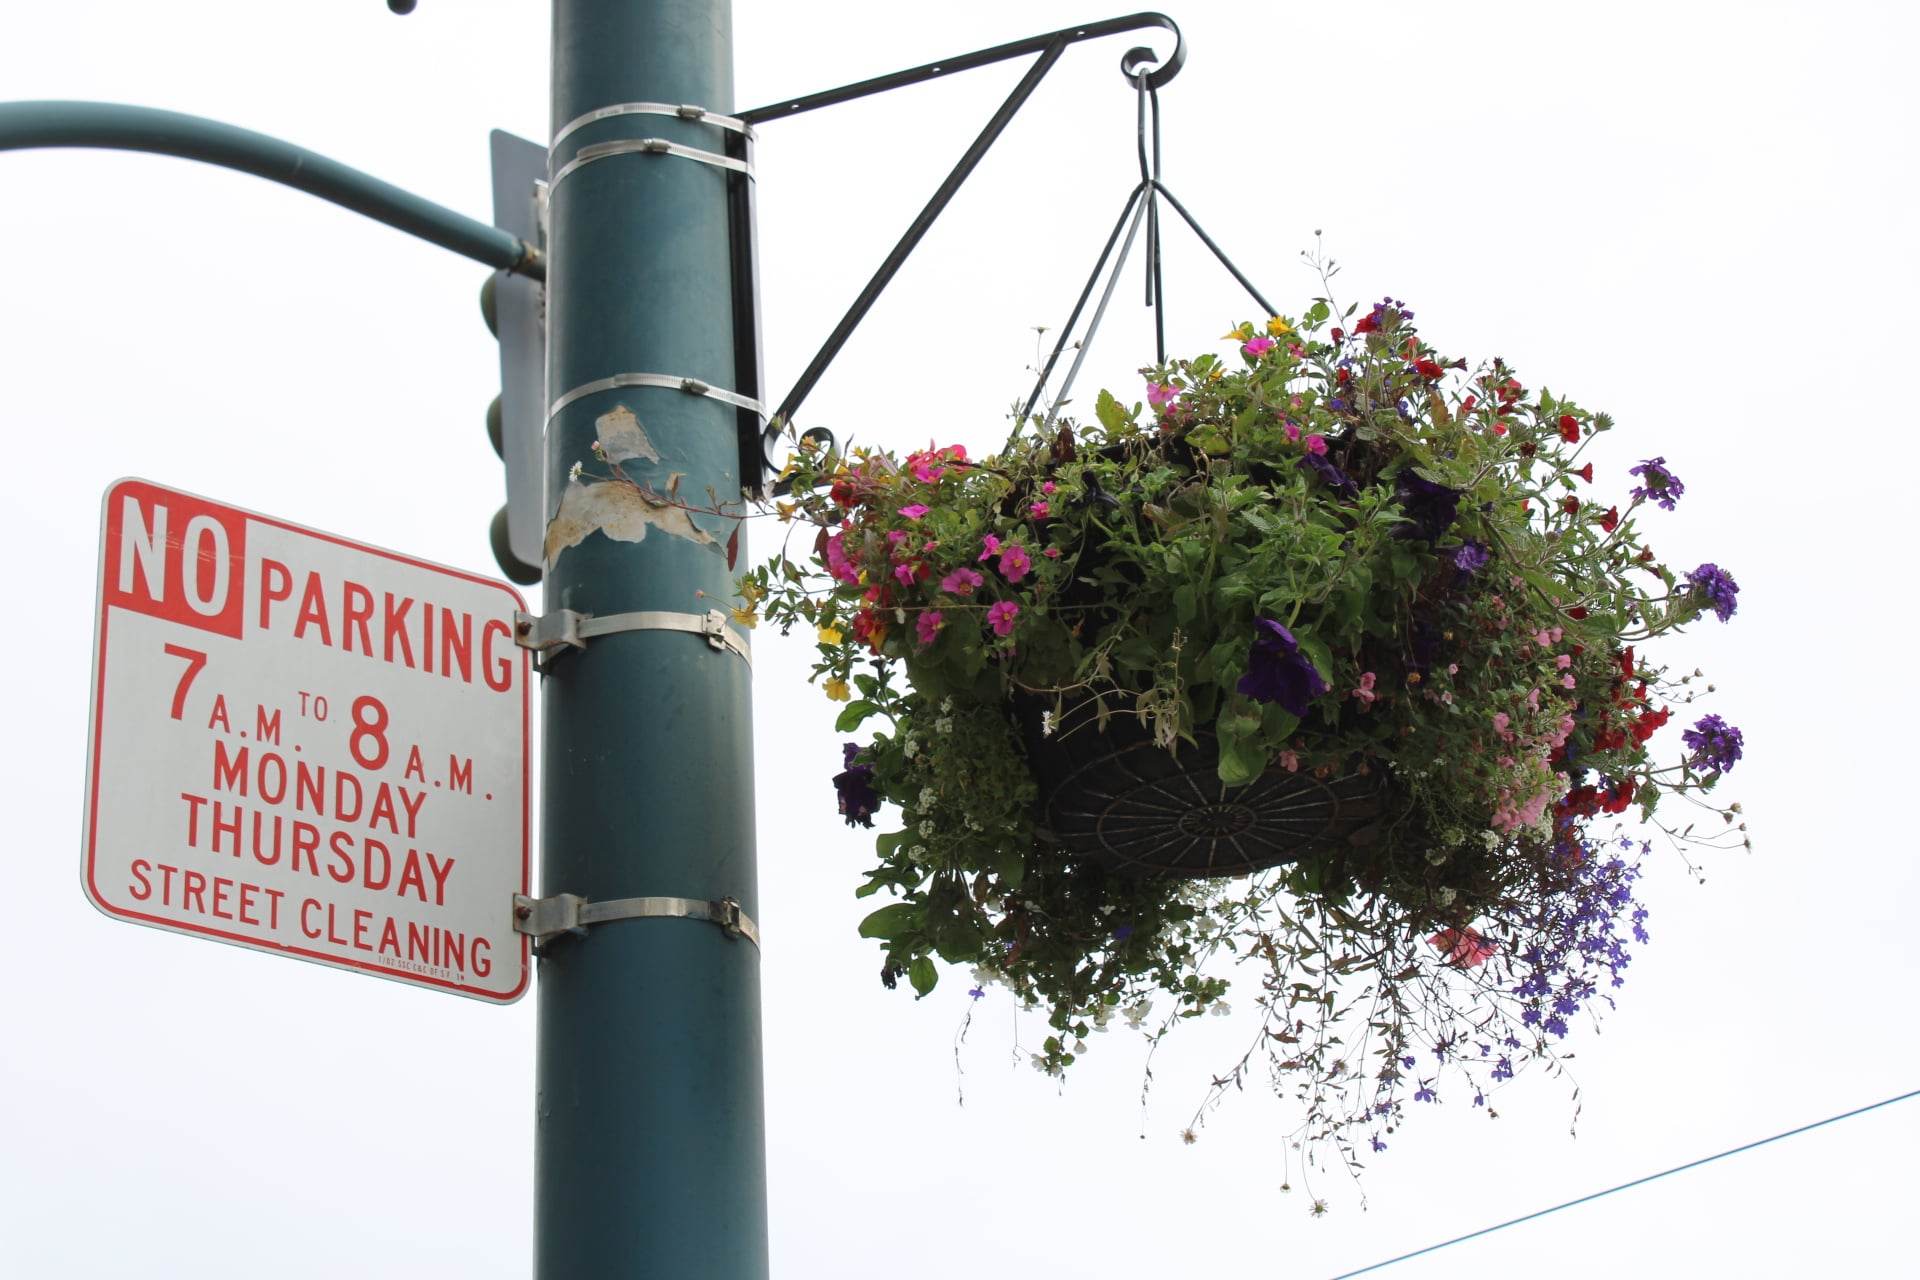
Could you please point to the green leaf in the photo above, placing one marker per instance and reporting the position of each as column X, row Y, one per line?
column 1011, row 867
column 1183, row 605
column 851, row 717
column 923, row 975
column 1110, row 412
column 890, row 921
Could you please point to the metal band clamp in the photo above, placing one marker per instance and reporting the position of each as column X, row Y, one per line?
column 543, row 918
column 684, row 111
column 648, row 146
column 566, row 628
column 692, row 386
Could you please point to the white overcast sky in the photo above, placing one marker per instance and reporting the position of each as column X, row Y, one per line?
column 1698, row 217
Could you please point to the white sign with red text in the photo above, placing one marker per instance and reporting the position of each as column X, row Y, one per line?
column 306, row 746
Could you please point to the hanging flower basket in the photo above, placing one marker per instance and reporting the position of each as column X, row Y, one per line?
column 1324, row 656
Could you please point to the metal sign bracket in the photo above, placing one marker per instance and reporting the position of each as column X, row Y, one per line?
column 569, row 913
column 566, row 629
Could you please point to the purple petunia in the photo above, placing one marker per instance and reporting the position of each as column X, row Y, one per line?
column 1471, row 557
column 1715, row 744
column 1657, row 483
column 1330, row 474
column 858, row 800
column 1716, row 589
column 1278, row 672
column 1430, row 507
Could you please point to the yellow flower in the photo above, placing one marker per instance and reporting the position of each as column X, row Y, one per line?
column 1240, row 332
column 831, row 634
column 789, row 468
column 837, row 689
column 748, row 617
column 1278, row 328
column 785, row 510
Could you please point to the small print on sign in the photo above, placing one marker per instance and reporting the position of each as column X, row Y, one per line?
column 307, row 746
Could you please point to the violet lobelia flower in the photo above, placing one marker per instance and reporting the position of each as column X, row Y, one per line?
column 858, row 800
column 1715, row 589
column 1657, row 483
column 1715, row 744
column 1471, row 557
column 1429, row 507
column 1278, row 672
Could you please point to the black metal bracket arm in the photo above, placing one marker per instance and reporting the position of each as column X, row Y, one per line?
column 1048, row 48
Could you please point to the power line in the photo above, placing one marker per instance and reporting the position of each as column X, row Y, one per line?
column 1679, row 1168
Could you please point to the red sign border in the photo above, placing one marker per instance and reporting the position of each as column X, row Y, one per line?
column 97, row 710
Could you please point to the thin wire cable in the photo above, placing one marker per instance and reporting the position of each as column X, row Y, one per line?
column 1679, row 1168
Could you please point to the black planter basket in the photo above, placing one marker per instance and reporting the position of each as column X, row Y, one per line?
column 1115, row 796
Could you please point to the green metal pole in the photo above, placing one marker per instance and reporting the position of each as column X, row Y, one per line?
column 650, row 1145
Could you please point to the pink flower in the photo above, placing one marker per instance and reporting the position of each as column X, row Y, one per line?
column 928, row 626
column 1292, row 431
column 837, row 562
column 895, row 537
column 1533, row 699
column 1290, row 761
column 1500, row 722
column 961, row 582
column 1254, row 348
column 1161, row 394
column 1564, row 661
column 914, row 510
column 1047, row 486
column 1316, row 444
column 1014, row 563
column 1463, row 948
column 1543, row 638
column 1365, row 690
column 1051, row 553
column 1000, row 617
column 992, row 545
column 1453, row 668
column 1567, row 681
column 1039, row 510
column 909, row 573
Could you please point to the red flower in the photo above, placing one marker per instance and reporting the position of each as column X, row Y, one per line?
column 1578, row 613
column 1611, row 520
column 1463, row 948
column 1643, row 728
column 1569, row 428
column 1466, row 406
column 1343, row 375
column 1339, row 334
column 1570, row 504
column 1620, row 797
column 1499, row 426
column 1429, row 369
column 1367, row 323
column 1586, row 473
column 1626, row 664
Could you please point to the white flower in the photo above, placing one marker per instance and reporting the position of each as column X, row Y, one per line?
column 927, row 797
column 1136, row 1013
column 1079, row 1046
column 926, row 829
column 1220, row 1009
column 573, row 473
column 910, row 745
column 1445, row 895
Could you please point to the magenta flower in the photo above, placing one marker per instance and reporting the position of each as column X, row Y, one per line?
column 1316, row 444
column 1038, row 510
column 1162, row 394
column 961, row 582
column 1051, row 553
column 1048, row 486
column 1014, row 563
column 1292, row 430
column 1254, row 348
column 1000, row 617
column 991, row 545
column 837, row 562
column 914, row 510
column 908, row 573
column 928, row 625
